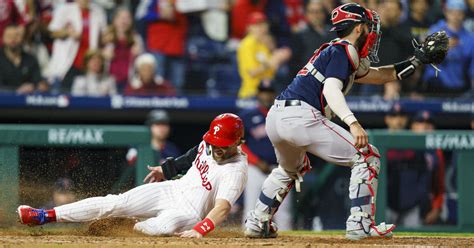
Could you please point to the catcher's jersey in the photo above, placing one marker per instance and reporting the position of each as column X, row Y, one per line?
column 207, row 180
column 333, row 59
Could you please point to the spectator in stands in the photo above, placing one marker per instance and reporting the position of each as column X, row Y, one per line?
column 395, row 45
column 457, row 70
column 166, row 40
column 469, row 21
column 10, row 15
column 76, row 28
column 418, row 20
column 260, row 153
column 329, row 6
column 19, row 71
column 240, row 14
column 415, row 180
column 257, row 57
column 122, row 45
column 295, row 14
column 159, row 123
column 94, row 82
column 146, row 82
column 37, row 40
column 277, row 13
column 311, row 37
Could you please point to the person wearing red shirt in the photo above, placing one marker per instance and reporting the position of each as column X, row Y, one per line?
column 76, row 28
column 166, row 39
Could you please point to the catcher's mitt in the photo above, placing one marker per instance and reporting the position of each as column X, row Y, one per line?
column 434, row 49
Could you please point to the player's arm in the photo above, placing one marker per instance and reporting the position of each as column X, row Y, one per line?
column 389, row 73
column 229, row 189
column 379, row 75
column 332, row 92
column 172, row 167
column 432, row 51
column 215, row 217
column 220, row 211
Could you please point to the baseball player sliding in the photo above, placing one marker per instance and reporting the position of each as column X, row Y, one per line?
column 215, row 173
column 297, row 121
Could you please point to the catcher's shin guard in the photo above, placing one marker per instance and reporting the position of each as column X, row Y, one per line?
column 274, row 190
column 363, row 192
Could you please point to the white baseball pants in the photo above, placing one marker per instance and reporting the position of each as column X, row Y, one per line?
column 165, row 211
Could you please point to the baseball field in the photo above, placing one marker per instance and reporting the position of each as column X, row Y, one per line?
column 119, row 233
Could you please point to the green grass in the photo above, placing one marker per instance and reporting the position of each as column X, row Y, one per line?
column 400, row 234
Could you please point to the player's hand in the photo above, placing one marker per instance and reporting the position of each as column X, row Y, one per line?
column 189, row 234
column 155, row 175
column 360, row 136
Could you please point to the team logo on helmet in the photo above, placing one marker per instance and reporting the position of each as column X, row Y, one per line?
column 216, row 129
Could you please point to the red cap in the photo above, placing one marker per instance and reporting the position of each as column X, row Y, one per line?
column 225, row 130
column 256, row 17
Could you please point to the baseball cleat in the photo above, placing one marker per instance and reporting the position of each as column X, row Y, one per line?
column 260, row 228
column 31, row 216
column 382, row 230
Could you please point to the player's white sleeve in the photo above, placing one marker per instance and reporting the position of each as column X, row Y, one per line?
column 332, row 91
column 231, row 186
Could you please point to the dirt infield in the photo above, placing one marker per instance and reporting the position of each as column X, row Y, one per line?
column 118, row 233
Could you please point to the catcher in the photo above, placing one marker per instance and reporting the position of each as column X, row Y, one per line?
column 215, row 173
column 298, row 122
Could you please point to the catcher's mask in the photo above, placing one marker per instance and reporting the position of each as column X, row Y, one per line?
column 347, row 14
column 225, row 130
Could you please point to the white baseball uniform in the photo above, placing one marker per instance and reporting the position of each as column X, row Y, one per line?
column 170, row 206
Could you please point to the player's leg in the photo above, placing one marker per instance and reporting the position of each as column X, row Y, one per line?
column 143, row 201
column 284, row 217
column 252, row 191
column 335, row 145
column 167, row 223
column 292, row 161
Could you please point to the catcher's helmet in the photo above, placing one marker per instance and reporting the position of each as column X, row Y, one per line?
column 157, row 117
column 225, row 130
column 347, row 14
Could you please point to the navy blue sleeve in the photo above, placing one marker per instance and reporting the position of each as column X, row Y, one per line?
column 180, row 165
column 339, row 65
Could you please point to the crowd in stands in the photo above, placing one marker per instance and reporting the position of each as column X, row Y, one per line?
column 212, row 47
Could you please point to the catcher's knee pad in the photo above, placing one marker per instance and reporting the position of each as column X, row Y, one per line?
column 363, row 188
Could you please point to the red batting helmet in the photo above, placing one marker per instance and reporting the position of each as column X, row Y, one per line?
column 225, row 130
column 343, row 16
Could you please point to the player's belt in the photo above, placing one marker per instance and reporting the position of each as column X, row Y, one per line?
column 316, row 74
column 289, row 103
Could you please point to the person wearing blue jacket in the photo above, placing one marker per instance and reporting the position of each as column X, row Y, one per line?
column 457, row 70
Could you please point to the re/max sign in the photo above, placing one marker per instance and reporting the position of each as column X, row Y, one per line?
column 75, row 136
column 450, row 141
